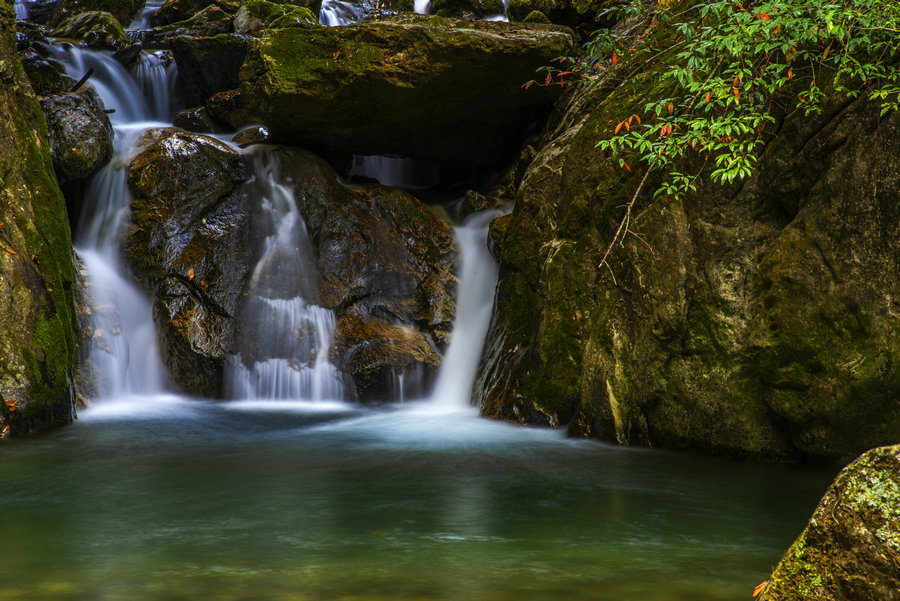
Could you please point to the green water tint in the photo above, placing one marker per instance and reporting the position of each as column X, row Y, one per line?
column 165, row 499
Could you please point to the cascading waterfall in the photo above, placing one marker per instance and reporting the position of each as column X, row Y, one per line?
column 477, row 281
column 395, row 171
column 21, row 9
column 334, row 13
column 142, row 20
column 280, row 314
column 124, row 349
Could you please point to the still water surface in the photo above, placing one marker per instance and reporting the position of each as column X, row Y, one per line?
column 161, row 498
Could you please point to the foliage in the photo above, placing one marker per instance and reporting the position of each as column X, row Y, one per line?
column 731, row 62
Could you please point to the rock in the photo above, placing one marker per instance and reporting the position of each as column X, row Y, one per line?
column 81, row 136
column 374, row 351
column 380, row 261
column 209, row 65
column 39, row 346
column 255, row 16
column 123, row 11
column 211, row 21
column 411, row 85
column 582, row 15
column 850, row 551
column 466, row 9
column 189, row 243
column 757, row 321
column 173, row 11
column 96, row 29
column 45, row 77
column 254, row 134
column 196, row 120
column 536, row 16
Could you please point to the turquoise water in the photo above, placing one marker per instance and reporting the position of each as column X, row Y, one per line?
column 161, row 498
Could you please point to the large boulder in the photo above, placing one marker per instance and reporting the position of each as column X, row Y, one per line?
column 758, row 320
column 410, row 85
column 208, row 65
column 188, row 242
column 209, row 22
column 96, row 29
column 255, row 16
column 379, row 260
column 124, row 11
column 850, row 550
column 81, row 136
column 38, row 345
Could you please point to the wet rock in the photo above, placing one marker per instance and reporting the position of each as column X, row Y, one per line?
column 81, row 136
column 39, row 346
column 255, row 134
column 188, row 242
column 46, row 77
column 196, row 120
column 209, row 65
column 96, row 29
column 850, row 550
column 255, row 16
column 173, row 11
column 123, row 11
column 583, row 15
column 375, row 351
column 411, row 85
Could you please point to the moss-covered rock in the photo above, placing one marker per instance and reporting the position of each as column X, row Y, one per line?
column 81, row 136
column 582, row 15
column 850, row 551
column 208, row 65
column 174, row 11
column 123, row 11
column 38, row 345
column 256, row 15
column 411, row 85
column 96, row 29
column 758, row 320
column 466, row 9
column 210, row 22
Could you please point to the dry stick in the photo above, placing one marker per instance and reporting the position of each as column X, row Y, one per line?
column 625, row 220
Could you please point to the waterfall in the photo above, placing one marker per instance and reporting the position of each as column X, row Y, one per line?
column 155, row 81
column 474, row 301
column 402, row 172
column 280, row 314
column 123, row 348
column 335, row 12
column 142, row 20
column 21, row 10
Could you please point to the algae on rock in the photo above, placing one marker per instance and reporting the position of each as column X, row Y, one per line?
column 37, row 276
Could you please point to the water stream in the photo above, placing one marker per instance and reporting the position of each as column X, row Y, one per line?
column 287, row 492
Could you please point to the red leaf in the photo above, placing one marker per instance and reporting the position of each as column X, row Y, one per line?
column 764, row 16
column 615, row 59
column 618, row 127
column 638, row 119
column 624, row 164
column 708, row 96
column 549, row 79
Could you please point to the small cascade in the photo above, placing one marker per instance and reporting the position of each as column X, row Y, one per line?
column 422, row 7
column 336, row 12
column 21, row 10
column 123, row 351
column 402, row 172
column 156, row 80
column 142, row 20
column 285, row 336
column 477, row 281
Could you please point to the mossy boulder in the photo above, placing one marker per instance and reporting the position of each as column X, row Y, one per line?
column 174, row 11
column 758, row 320
column 209, row 22
column 850, row 550
column 582, row 15
column 188, row 242
column 38, row 345
column 123, row 11
column 97, row 29
column 256, row 15
column 81, row 136
column 411, row 85
column 466, row 9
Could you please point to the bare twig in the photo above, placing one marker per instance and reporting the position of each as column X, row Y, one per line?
column 626, row 220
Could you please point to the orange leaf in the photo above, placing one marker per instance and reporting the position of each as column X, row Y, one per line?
column 790, row 74
column 708, row 96
column 671, row 108
column 624, row 164
column 764, row 16
column 740, row 7
column 204, row 284
column 11, row 251
column 549, row 79
column 736, row 81
column 11, row 405
column 618, row 127
column 627, row 125
column 191, row 273
column 528, row 84
column 615, row 59
column 760, row 588
column 638, row 119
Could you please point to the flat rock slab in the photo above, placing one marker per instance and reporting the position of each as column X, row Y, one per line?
column 421, row 86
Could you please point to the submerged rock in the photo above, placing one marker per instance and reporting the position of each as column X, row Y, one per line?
column 850, row 551
column 81, row 136
column 759, row 320
column 38, row 348
column 411, row 85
